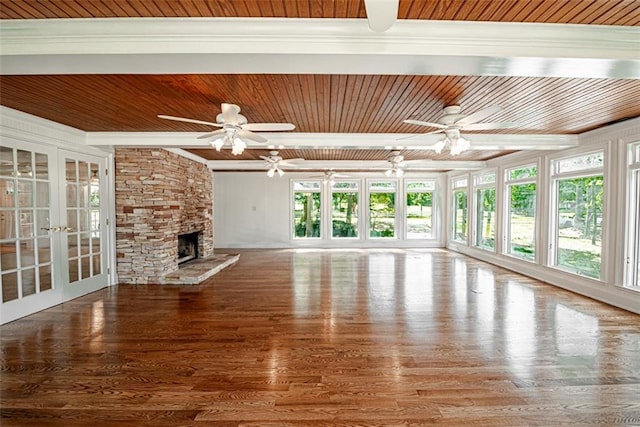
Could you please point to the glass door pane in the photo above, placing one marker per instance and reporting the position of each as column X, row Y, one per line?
column 83, row 219
column 25, row 235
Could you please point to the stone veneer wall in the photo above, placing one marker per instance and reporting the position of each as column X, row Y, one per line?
column 159, row 195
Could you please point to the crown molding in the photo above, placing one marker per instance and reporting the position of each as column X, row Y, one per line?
column 338, row 46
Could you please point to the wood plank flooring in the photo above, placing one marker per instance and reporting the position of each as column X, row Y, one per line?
column 327, row 338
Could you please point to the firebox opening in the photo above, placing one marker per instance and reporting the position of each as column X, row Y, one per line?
column 187, row 247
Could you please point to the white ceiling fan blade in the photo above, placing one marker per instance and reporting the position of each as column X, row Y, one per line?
column 381, row 14
column 268, row 127
column 245, row 134
column 267, row 159
column 215, row 134
column 478, row 115
column 182, row 119
column 428, row 124
column 230, row 113
column 489, row 126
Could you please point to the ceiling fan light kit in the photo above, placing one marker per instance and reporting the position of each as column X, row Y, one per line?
column 235, row 129
column 453, row 121
column 273, row 162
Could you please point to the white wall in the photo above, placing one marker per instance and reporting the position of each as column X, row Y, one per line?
column 251, row 210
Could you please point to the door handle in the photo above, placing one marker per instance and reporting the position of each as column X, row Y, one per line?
column 52, row 229
column 65, row 228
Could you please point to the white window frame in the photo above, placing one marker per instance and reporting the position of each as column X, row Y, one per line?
column 632, row 235
column 293, row 207
column 329, row 202
column 434, row 222
column 481, row 186
column 508, row 183
column 458, row 183
column 554, row 177
column 397, row 194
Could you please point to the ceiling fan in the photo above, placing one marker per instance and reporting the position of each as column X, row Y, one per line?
column 453, row 121
column 235, row 129
column 397, row 165
column 274, row 161
column 330, row 175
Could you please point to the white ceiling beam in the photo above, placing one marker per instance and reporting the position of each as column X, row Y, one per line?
column 293, row 140
column 343, row 165
column 316, row 46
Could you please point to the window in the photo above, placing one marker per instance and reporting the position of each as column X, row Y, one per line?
column 344, row 209
column 578, row 186
column 485, row 204
column 520, row 230
column 632, row 256
column 306, row 209
column 459, row 210
column 382, row 209
column 419, row 209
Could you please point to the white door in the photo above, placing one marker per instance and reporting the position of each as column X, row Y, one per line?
column 52, row 221
column 82, row 228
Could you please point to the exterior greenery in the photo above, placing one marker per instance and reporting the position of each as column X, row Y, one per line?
column 460, row 215
column 307, row 214
column 344, row 214
column 579, row 224
column 382, row 212
column 485, row 218
column 522, row 220
column 419, row 215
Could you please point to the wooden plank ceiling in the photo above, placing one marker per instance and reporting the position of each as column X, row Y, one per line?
column 325, row 103
column 600, row 12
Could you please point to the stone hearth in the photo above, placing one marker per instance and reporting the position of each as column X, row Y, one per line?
column 199, row 270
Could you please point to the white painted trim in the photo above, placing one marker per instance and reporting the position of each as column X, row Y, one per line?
column 300, row 140
column 373, row 165
column 27, row 127
column 325, row 46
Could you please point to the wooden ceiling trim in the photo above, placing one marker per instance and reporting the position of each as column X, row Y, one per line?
column 354, row 103
column 524, row 12
column 26, row 10
column 603, row 12
column 410, row 9
column 371, row 99
column 493, row 11
column 629, row 16
column 383, row 86
column 550, row 12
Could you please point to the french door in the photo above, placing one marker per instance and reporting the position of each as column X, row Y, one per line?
column 53, row 242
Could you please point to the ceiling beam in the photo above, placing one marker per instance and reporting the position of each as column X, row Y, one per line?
column 344, row 165
column 315, row 46
column 293, row 140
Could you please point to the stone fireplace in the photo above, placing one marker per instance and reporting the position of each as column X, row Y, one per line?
column 159, row 196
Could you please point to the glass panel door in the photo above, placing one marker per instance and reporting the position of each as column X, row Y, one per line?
column 27, row 210
column 85, row 224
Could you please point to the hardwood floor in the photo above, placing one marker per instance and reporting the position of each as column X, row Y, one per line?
column 327, row 338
